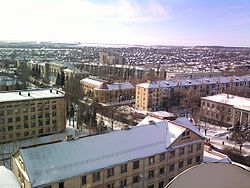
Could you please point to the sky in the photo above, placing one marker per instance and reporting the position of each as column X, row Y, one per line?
column 146, row 22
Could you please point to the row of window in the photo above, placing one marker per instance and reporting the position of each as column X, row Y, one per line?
column 151, row 173
column 31, row 117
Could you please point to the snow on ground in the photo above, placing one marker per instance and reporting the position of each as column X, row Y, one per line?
column 218, row 135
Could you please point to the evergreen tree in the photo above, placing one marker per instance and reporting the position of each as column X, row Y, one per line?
column 58, row 79
column 94, row 119
column 62, row 82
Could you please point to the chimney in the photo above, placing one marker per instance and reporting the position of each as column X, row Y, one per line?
column 20, row 93
column 29, row 94
column 56, row 92
column 50, row 90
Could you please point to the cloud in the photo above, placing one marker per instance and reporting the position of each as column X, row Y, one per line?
column 77, row 20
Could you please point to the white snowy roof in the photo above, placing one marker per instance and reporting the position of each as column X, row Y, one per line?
column 93, row 81
column 183, row 121
column 117, row 86
column 185, row 82
column 34, row 94
column 213, row 156
column 8, row 179
column 55, row 162
column 236, row 101
column 216, row 175
column 158, row 84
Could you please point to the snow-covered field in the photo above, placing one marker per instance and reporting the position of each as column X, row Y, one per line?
column 218, row 135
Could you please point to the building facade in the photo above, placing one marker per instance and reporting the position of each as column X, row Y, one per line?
column 31, row 113
column 153, row 95
column 149, row 155
column 103, row 92
column 225, row 110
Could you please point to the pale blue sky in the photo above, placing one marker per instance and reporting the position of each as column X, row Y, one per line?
column 170, row 22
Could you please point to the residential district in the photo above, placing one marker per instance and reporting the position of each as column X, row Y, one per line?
column 76, row 116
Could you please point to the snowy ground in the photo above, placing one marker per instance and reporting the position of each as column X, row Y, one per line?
column 218, row 135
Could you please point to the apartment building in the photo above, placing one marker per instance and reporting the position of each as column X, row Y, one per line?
column 148, row 155
column 153, row 95
column 103, row 92
column 225, row 110
column 31, row 113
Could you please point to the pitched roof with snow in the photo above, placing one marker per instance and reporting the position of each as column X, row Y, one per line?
column 236, row 101
column 55, row 162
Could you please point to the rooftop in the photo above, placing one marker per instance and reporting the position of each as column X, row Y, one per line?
column 236, row 101
column 29, row 95
column 54, row 162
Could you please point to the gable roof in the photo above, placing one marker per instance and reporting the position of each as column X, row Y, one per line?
column 58, row 161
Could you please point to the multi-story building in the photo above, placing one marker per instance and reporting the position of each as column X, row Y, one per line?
column 225, row 110
column 103, row 92
column 153, row 95
column 31, row 113
column 148, row 155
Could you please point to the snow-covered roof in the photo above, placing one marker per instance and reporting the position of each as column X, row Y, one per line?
column 8, row 179
column 213, row 156
column 118, row 86
column 158, row 84
column 93, row 81
column 187, row 82
column 34, row 94
column 183, row 121
column 236, row 101
column 55, row 162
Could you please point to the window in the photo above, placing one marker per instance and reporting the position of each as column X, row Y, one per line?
column 190, row 149
column 33, row 124
column 123, row 183
column 84, row 180
column 180, row 165
column 198, row 159
column 18, row 119
column 162, row 156
column 53, row 106
column 161, row 184
column 47, row 115
column 25, row 118
column 124, row 168
column 136, row 164
column 40, row 116
column 151, row 174
column 151, row 186
column 110, row 172
column 151, row 160
column 10, row 120
column 10, row 128
column 61, row 185
column 198, row 146
column 172, row 154
column 136, row 179
column 32, row 109
column 181, row 151
column 189, row 162
column 171, row 167
column 26, row 125
column 96, row 176
column 161, row 171
column 111, row 185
